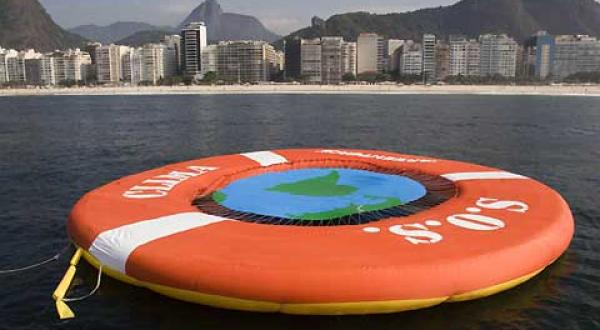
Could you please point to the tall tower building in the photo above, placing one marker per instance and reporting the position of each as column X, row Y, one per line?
column 573, row 54
column 15, row 67
column 498, row 55
column 47, row 73
column 293, row 62
column 349, row 58
column 370, row 53
column 76, row 65
column 3, row 73
column 33, row 71
column 90, row 48
column 311, row 57
column 429, row 58
column 331, row 60
column 209, row 59
column 393, row 51
column 109, row 64
column 173, row 43
column 464, row 57
column 442, row 55
column 245, row 61
column 411, row 59
column 473, row 58
column 193, row 40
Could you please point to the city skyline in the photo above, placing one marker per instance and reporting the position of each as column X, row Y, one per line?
column 325, row 60
column 279, row 19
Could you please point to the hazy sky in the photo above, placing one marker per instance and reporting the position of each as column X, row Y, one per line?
column 281, row 16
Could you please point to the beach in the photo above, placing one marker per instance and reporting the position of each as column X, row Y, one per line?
column 550, row 90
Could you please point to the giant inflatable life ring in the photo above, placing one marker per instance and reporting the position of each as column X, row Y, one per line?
column 319, row 231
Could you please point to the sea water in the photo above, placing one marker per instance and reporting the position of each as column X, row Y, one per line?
column 55, row 149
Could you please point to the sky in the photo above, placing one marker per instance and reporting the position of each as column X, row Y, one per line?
column 281, row 16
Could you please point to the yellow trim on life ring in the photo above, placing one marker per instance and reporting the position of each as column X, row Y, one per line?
column 348, row 308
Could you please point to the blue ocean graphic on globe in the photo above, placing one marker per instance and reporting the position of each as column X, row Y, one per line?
column 319, row 193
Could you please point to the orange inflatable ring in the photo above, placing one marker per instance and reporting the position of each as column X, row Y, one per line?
column 317, row 231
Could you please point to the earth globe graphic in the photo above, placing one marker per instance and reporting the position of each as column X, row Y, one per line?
column 318, row 194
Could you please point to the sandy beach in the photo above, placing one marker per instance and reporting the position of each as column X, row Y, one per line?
column 553, row 90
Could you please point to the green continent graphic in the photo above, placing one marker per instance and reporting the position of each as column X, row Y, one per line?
column 348, row 210
column 219, row 197
column 323, row 186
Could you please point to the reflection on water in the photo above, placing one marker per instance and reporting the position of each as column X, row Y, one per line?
column 54, row 149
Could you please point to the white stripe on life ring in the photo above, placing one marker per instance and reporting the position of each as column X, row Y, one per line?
column 266, row 158
column 113, row 247
column 483, row 176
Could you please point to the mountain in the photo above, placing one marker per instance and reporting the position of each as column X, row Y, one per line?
column 228, row 26
column 143, row 37
column 26, row 24
column 113, row 32
column 518, row 18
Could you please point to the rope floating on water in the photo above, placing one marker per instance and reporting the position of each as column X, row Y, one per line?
column 93, row 292
column 56, row 257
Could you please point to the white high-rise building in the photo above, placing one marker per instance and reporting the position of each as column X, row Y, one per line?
column 575, row 54
column 411, row 59
column 349, row 58
column 464, row 57
column 15, row 65
column 458, row 57
column 310, row 58
column 126, row 60
column 473, row 58
column 279, row 64
column 153, row 63
column 109, row 64
column 135, row 64
column 331, row 60
column 209, row 59
column 47, row 70
column 498, row 55
column 326, row 60
column 193, row 40
column 245, row 61
column 59, row 63
column 3, row 73
column 147, row 64
column 370, row 53
column 429, row 57
column 77, row 64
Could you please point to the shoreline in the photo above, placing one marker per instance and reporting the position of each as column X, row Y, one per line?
column 552, row 90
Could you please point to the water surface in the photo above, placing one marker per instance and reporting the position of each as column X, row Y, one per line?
column 54, row 149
